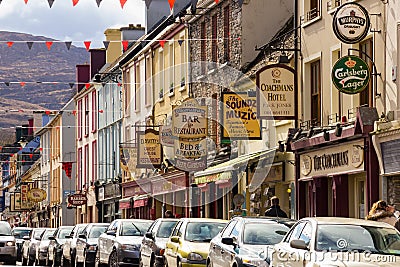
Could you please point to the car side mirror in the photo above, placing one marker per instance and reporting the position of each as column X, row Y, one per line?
column 68, row 236
column 111, row 232
column 175, row 239
column 52, row 238
column 83, row 236
column 149, row 235
column 26, row 237
column 228, row 241
column 299, row 244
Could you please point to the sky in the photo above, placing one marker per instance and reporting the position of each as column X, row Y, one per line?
column 65, row 22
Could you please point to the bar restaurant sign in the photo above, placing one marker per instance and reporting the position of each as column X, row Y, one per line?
column 332, row 161
column 149, row 149
column 351, row 23
column 276, row 92
column 350, row 74
column 239, row 117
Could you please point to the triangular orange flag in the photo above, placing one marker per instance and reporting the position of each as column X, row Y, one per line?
column 26, row 2
column 49, row 44
column 22, row 84
column 122, row 3
column 10, row 44
column 74, row 2
column 87, row 44
column 87, row 85
column 162, row 43
column 171, row 3
column 125, row 45
column 216, row 1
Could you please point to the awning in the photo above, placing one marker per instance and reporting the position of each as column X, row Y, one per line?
column 224, row 170
column 125, row 203
column 140, row 201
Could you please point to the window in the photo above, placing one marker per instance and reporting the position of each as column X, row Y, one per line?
column 228, row 229
column 94, row 160
column 366, row 95
column 94, row 112
column 183, row 63
column 80, row 119
column 214, row 48
column 161, row 74
column 203, row 56
column 86, row 156
column 171, row 71
column 147, row 95
column 314, row 10
column 86, row 115
column 294, row 232
column 137, row 87
column 79, row 165
column 226, row 34
column 306, row 233
column 127, row 92
column 315, row 93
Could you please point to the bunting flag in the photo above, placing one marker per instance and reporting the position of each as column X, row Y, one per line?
column 68, row 44
column 106, row 44
column 51, row 2
column 87, row 44
column 74, row 112
column 9, row 44
column 31, row 155
column 101, row 111
column 125, row 45
column 171, row 4
column 180, row 42
column 22, row 84
column 7, row 83
column 49, row 44
column 71, row 85
column 75, row 2
column 29, row 45
column 122, row 3
column 216, row 1
column 98, row 3
column 147, row 2
column 26, row 2
column 162, row 43
column 87, row 85
column 67, row 167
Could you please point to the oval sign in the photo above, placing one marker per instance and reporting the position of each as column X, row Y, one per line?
column 77, row 199
column 351, row 23
column 350, row 74
column 37, row 195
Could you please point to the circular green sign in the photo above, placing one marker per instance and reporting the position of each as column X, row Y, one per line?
column 350, row 74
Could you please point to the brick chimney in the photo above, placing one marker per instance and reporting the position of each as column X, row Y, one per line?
column 82, row 76
column 97, row 60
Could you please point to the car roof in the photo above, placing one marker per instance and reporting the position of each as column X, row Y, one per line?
column 204, row 220
column 22, row 228
column 344, row 221
column 133, row 220
column 65, row 226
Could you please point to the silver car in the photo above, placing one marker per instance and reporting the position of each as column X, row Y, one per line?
column 43, row 246
column 56, row 245
column 69, row 247
column 8, row 248
column 121, row 243
column 29, row 246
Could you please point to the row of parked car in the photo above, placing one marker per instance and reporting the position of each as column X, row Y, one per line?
column 240, row 242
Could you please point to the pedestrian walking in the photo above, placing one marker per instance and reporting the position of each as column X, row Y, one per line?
column 169, row 214
column 275, row 210
column 382, row 212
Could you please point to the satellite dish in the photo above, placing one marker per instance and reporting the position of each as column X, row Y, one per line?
column 238, row 200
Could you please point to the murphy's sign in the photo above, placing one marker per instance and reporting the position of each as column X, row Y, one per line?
column 350, row 74
column 276, row 92
column 332, row 161
column 351, row 23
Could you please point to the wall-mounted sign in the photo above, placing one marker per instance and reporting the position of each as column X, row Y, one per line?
column 166, row 137
column 77, row 199
column 350, row 74
column 189, row 120
column 351, row 23
column 37, row 195
column 149, row 149
column 276, row 92
column 333, row 160
column 191, row 154
column 239, row 117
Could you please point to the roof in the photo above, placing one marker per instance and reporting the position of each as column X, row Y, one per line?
column 204, row 220
column 343, row 221
column 133, row 220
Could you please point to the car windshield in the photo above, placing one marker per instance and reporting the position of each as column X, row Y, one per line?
column 62, row 233
column 202, row 231
column 97, row 230
column 165, row 229
column 20, row 233
column 80, row 230
column 38, row 233
column 47, row 234
column 134, row 228
column 5, row 229
column 359, row 238
column 268, row 234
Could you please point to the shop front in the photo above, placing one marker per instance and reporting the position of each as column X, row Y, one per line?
column 170, row 191
column 136, row 193
column 108, row 202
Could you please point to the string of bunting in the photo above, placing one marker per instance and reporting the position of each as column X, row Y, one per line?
column 123, row 2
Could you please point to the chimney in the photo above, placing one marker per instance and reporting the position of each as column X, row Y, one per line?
column 82, row 76
column 132, row 33
column 115, row 46
column 97, row 60
column 30, row 129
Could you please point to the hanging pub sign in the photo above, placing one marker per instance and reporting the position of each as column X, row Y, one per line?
column 166, row 137
column 350, row 74
column 191, row 154
column 37, row 195
column 128, row 159
column 149, row 149
column 189, row 120
column 239, row 116
column 77, row 199
column 17, row 201
column 25, row 203
column 351, row 23
column 276, row 92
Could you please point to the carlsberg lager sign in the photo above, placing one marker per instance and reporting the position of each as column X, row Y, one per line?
column 350, row 74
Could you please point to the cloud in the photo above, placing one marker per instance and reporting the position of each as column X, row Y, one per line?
column 84, row 22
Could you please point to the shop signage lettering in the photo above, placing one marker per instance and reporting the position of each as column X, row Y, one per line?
column 276, row 96
column 166, row 137
column 239, row 117
column 189, row 120
column 329, row 161
column 350, row 74
column 37, row 195
column 351, row 23
column 128, row 159
column 77, row 199
column 149, row 150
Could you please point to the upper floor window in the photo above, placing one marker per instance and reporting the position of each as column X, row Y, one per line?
column 314, row 10
column 94, row 111
column 137, row 87
column 214, row 47
column 86, row 115
column 226, row 34
column 80, row 119
column 316, row 92
column 147, row 86
column 366, row 48
column 203, row 56
column 127, row 91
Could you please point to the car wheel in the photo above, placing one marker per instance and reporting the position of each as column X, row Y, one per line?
column 113, row 261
